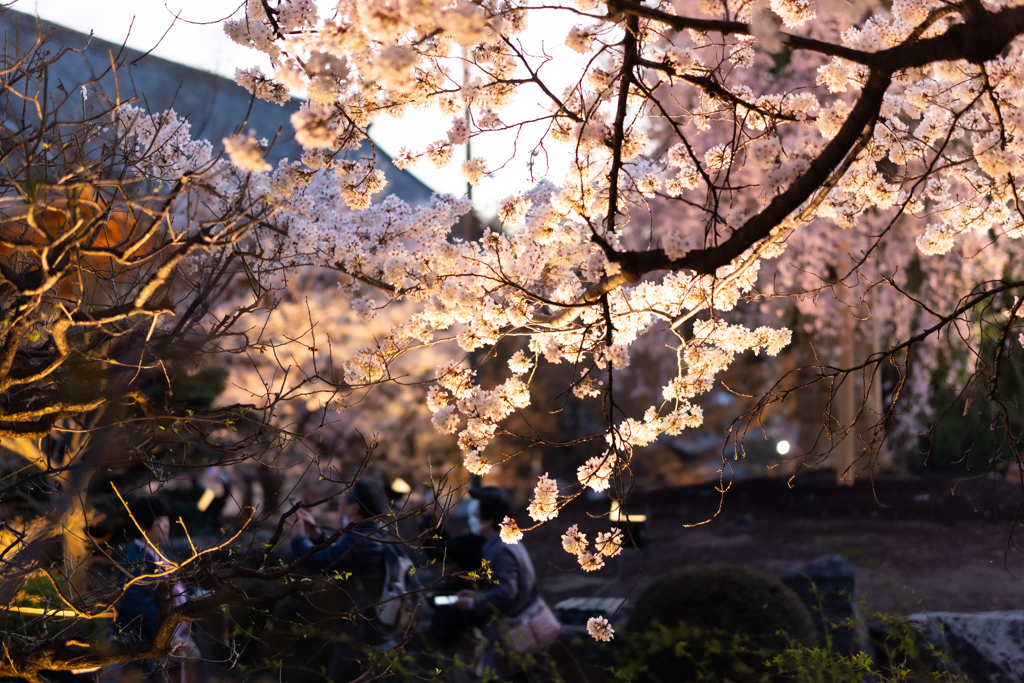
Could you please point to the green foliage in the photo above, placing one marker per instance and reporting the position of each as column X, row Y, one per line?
column 903, row 655
column 712, row 623
column 660, row 654
column 688, row 653
column 716, row 646
column 817, row 665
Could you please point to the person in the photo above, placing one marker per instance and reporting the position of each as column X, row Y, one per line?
column 361, row 551
column 140, row 606
column 512, row 589
column 448, row 624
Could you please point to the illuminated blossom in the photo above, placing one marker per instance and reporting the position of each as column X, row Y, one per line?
column 510, row 532
column 794, row 13
column 718, row 157
column 474, row 169
column 717, row 174
column 262, row 87
column 544, row 505
column 597, row 471
column 475, row 464
column 573, row 542
column 590, row 562
column 599, row 629
column 247, row 153
column 609, row 543
column 519, row 363
column 579, row 40
column 512, row 209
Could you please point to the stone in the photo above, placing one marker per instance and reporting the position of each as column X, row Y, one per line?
column 577, row 611
column 987, row 647
column 826, row 587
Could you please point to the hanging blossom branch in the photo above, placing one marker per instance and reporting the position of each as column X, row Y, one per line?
column 570, row 271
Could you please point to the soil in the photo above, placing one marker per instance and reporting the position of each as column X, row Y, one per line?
column 934, row 542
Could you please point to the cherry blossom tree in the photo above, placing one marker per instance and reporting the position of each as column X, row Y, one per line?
column 707, row 143
column 866, row 137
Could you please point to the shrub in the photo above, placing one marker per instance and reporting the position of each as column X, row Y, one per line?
column 732, row 599
column 713, row 622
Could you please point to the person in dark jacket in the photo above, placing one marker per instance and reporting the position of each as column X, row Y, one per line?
column 514, row 581
column 361, row 552
column 448, row 624
column 140, row 607
column 463, row 551
column 513, row 586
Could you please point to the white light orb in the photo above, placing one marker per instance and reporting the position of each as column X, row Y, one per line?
column 782, row 447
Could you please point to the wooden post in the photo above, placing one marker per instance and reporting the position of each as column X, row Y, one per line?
column 873, row 414
column 846, row 411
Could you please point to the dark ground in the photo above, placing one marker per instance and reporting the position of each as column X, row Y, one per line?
column 933, row 542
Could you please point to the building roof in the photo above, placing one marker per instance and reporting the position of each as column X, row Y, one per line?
column 214, row 106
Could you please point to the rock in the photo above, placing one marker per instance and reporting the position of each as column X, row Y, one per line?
column 988, row 647
column 826, row 587
column 577, row 611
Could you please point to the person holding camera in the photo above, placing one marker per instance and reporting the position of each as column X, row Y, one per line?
column 371, row 555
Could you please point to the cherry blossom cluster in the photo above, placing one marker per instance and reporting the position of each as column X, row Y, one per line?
column 544, row 505
column 600, row 629
column 247, row 153
column 509, row 531
column 607, row 544
column 165, row 141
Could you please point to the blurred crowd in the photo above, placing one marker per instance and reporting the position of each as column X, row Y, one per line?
column 464, row 603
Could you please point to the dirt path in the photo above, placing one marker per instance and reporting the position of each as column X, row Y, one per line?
column 914, row 543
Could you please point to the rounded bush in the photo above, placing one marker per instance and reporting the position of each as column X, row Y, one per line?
column 715, row 622
column 734, row 599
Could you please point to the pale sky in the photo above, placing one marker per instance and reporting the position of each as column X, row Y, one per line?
column 196, row 39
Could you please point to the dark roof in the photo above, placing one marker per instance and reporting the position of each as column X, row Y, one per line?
column 213, row 105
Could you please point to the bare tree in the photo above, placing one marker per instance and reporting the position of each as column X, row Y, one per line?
column 119, row 236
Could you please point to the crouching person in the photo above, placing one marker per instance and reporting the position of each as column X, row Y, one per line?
column 516, row 621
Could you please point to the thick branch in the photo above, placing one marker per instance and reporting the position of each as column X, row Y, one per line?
column 707, row 261
column 629, row 57
column 981, row 37
column 737, row 28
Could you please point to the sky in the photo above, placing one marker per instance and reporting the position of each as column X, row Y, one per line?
column 189, row 32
